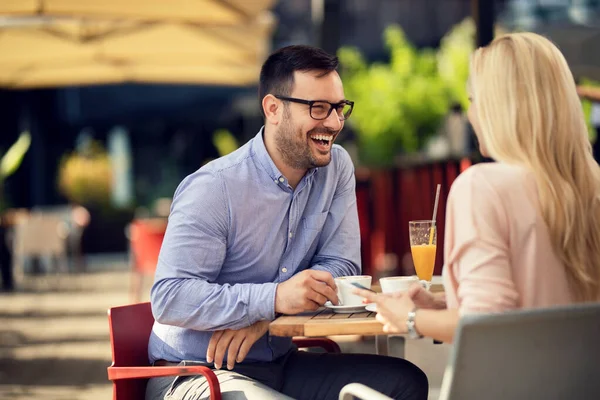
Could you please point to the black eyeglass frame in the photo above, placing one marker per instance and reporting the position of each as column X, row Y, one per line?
column 310, row 103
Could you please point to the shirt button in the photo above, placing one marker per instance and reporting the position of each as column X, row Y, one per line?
column 281, row 179
column 290, row 235
column 284, row 269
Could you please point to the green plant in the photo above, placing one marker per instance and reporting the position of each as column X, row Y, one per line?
column 587, row 109
column 11, row 160
column 399, row 104
column 86, row 178
column 453, row 59
column 224, row 141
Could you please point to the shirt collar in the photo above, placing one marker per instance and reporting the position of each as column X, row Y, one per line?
column 265, row 160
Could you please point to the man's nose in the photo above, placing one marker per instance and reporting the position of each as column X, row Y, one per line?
column 333, row 121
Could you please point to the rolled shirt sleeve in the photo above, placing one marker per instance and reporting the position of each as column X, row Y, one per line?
column 477, row 256
column 185, row 293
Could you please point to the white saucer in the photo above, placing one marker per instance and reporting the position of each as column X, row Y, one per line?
column 345, row 309
column 371, row 307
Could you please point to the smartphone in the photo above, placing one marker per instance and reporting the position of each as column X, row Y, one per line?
column 358, row 285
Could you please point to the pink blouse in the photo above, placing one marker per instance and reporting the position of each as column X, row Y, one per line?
column 497, row 253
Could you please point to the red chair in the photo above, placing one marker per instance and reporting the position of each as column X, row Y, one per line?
column 130, row 328
column 145, row 239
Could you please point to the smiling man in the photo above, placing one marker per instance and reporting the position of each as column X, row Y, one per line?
column 261, row 231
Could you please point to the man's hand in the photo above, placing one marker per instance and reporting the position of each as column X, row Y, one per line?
column 237, row 344
column 305, row 291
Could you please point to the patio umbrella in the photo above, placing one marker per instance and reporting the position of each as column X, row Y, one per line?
column 214, row 12
column 68, row 42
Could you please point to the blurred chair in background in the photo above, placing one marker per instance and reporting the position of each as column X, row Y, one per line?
column 8, row 219
column 42, row 236
column 76, row 218
column 145, row 239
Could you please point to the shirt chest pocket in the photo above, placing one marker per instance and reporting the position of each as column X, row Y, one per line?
column 312, row 226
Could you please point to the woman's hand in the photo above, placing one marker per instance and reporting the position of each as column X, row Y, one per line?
column 421, row 297
column 425, row 299
column 392, row 311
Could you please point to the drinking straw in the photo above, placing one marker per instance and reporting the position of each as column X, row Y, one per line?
column 435, row 206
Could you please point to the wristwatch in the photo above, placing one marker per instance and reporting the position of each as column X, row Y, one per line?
column 410, row 325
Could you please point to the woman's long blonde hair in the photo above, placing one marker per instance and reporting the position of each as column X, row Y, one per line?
column 530, row 114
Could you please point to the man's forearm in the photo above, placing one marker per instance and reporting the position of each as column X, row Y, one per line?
column 200, row 305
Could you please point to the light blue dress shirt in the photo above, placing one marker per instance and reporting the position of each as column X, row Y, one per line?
column 235, row 231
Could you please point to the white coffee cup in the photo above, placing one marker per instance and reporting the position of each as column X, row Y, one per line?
column 393, row 284
column 345, row 288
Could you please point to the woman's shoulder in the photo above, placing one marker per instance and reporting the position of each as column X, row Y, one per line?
column 499, row 177
column 493, row 197
column 494, row 183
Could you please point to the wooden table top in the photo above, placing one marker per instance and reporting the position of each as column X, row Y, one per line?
column 325, row 322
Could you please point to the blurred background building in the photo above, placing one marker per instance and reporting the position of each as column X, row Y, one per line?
column 160, row 89
column 106, row 105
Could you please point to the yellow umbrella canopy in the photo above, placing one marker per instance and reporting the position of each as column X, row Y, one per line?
column 69, row 42
column 214, row 12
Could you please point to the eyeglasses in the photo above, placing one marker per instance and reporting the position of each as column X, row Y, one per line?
column 321, row 109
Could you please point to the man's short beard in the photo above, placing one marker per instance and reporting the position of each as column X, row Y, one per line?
column 294, row 153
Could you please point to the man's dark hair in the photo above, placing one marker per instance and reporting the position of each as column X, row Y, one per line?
column 277, row 72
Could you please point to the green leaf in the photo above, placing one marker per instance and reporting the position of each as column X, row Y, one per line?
column 399, row 104
column 14, row 156
column 587, row 109
column 224, row 141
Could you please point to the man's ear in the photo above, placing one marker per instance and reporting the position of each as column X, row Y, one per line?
column 272, row 108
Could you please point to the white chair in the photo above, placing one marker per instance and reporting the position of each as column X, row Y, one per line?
column 39, row 235
column 76, row 218
column 358, row 390
column 550, row 353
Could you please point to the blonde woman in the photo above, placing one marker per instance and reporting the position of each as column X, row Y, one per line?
column 522, row 232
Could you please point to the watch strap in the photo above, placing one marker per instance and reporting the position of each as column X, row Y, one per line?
column 410, row 324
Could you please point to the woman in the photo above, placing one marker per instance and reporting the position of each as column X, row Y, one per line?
column 522, row 232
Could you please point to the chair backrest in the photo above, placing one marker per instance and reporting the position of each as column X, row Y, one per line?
column 40, row 234
column 75, row 217
column 130, row 328
column 536, row 354
column 146, row 239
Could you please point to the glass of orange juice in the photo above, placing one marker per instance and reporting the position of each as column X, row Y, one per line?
column 423, row 244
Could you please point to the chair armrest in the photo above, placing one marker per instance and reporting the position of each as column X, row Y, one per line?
column 116, row 373
column 352, row 390
column 327, row 344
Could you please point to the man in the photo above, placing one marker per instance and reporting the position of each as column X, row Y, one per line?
column 261, row 231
